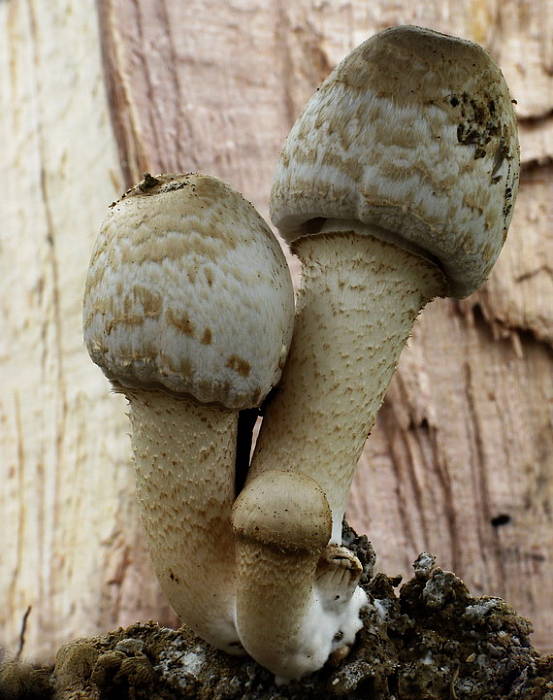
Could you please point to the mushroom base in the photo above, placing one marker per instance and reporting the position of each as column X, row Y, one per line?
column 291, row 645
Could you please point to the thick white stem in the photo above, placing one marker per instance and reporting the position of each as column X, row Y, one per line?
column 359, row 299
column 184, row 455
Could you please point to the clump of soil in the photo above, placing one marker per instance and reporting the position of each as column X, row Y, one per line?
column 428, row 639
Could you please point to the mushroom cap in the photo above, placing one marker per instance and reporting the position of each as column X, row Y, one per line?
column 286, row 510
column 188, row 291
column 413, row 132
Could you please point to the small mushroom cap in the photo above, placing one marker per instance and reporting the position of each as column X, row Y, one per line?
column 188, row 291
column 287, row 510
column 413, row 132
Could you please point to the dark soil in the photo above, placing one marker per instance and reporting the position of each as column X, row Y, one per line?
column 427, row 639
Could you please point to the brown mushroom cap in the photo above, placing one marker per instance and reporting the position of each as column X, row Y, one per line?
column 413, row 132
column 286, row 510
column 188, row 291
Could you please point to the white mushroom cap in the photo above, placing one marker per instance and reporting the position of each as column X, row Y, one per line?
column 189, row 291
column 413, row 132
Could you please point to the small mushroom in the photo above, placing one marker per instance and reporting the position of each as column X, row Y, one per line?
column 188, row 310
column 396, row 185
column 296, row 599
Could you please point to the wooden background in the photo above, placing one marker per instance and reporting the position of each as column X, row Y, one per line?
column 95, row 93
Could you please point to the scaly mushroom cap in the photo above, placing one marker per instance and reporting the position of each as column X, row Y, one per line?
column 189, row 291
column 286, row 510
column 413, row 132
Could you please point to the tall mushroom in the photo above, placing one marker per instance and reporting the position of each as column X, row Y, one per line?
column 396, row 185
column 188, row 310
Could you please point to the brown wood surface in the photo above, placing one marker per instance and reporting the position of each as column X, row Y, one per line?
column 94, row 94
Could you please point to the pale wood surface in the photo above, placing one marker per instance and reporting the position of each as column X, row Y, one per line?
column 465, row 434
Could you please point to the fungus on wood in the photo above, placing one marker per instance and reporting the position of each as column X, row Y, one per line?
column 394, row 187
column 387, row 208
column 188, row 310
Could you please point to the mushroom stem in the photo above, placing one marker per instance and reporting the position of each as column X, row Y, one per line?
column 278, row 585
column 359, row 298
column 184, row 454
column 285, row 616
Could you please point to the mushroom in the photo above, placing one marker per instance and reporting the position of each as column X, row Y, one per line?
column 297, row 600
column 188, row 310
column 396, row 185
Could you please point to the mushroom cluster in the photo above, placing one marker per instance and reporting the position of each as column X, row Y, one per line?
column 395, row 186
